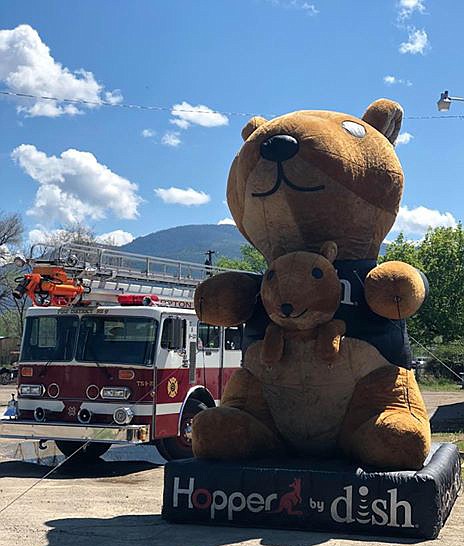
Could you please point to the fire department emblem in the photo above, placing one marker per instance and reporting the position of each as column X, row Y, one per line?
column 72, row 411
column 173, row 387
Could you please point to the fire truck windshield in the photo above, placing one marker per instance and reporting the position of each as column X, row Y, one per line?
column 50, row 338
column 117, row 340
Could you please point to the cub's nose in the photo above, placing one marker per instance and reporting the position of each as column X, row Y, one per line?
column 287, row 309
column 279, row 148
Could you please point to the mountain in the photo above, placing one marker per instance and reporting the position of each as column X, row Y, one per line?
column 189, row 243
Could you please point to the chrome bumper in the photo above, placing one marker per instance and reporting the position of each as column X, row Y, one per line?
column 27, row 430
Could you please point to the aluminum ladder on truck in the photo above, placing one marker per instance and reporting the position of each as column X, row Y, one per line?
column 108, row 272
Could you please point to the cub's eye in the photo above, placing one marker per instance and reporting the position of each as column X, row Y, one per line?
column 270, row 275
column 355, row 129
column 317, row 273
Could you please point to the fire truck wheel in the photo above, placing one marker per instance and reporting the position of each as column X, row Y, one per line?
column 88, row 454
column 180, row 447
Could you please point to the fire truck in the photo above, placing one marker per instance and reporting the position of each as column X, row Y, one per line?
column 113, row 352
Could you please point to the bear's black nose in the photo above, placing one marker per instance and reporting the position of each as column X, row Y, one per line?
column 279, row 148
column 287, row 309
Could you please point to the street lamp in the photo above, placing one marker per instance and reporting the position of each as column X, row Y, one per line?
column 444, row 102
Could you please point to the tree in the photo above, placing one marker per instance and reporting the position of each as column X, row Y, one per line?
column 252, row 260
column 449, row 353
column 402, row 250
column 11, row 231
column 440, row 255
column 70, row 233
column 11, row 311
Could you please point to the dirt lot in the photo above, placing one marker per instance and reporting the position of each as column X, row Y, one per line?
column 119, row 503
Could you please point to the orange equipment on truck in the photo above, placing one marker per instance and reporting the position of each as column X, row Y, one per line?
column 50, row 285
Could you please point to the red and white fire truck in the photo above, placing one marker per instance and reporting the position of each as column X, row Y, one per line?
column 113, row 352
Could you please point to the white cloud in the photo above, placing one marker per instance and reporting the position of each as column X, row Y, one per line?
column 404, row 138
column 171, row 138
column 418, row 220
column 226, row 221
column 6, row 256
column 26, row 66
column 393, row 80
column 74, row 186
column 37, row 236
column 148, row 133
column 41, row 235
column 185, row 114
column 390, row 80
column 178, row 196
column 302, row 5
column 113, row 97
column 181, row 123
column 118, row 237
column 308, row 8
column 408, row 7
column 418, row 42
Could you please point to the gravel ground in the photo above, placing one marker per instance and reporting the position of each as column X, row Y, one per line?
column 118, row 503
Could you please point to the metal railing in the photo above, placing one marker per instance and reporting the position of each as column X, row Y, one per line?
column 104, row 262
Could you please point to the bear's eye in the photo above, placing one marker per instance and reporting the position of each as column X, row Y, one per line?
column 270, row 275
column 355, row 129
column 317, row 273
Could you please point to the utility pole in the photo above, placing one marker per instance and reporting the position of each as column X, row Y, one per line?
column 209, row 261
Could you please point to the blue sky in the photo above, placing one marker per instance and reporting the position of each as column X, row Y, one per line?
column 61, row 162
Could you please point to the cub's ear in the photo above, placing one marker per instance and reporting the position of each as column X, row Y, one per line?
column 329, row 250
column 386, row 116
column 251, row 126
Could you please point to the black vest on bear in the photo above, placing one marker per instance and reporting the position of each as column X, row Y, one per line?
column 389, row 337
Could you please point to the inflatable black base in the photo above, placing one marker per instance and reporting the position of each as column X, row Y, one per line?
column 315, row 495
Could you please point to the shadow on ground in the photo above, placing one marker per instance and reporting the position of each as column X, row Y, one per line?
column 152, row 530
column 448, row 418
column 100, row 469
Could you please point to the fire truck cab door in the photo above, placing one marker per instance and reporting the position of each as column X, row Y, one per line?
column 209, row 356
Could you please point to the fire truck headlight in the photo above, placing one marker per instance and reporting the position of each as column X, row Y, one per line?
column 31, row 390
column 123, row 416
column 115, row 393
column 84, row 416
column 39, row 414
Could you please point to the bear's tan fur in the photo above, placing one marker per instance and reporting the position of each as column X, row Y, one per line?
column 344, row 184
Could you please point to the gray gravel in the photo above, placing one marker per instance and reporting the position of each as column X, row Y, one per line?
column 118, row 503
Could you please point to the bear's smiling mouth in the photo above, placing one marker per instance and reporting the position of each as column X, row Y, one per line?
column 293, row 316
column 282, row 178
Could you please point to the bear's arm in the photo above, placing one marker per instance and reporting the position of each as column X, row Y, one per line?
column 227, row 299
column 395, row 290
column 273, row 344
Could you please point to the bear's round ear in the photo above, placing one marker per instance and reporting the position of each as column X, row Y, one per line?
column 251, row 126
column 329, row 250
column 386, row 116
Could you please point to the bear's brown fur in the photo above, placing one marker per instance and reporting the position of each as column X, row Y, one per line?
column 299, row 180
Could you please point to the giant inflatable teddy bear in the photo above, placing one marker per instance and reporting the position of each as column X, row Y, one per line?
column 310, row 185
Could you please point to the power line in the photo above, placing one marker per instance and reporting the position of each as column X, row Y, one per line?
column 434, row 117
column 159, row 108
column 112, row 104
